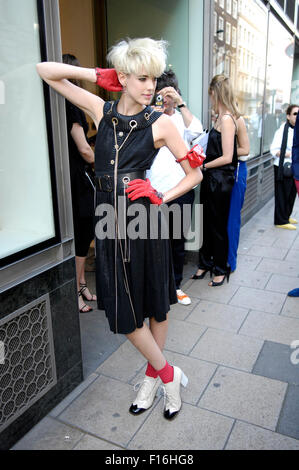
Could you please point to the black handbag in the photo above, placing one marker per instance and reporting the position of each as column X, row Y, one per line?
column 284, row 168
column 287, row 170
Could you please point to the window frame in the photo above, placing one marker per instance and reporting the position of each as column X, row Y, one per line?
column 37, row 247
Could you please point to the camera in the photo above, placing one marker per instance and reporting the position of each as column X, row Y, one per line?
column 159, row 101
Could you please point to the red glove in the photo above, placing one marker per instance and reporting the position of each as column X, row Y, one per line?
column 195, row 156
column 140, row 188
column 107, row 78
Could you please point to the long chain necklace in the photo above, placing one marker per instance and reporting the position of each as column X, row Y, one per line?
column 124, row 257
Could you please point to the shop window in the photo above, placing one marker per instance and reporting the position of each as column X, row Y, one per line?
column 279, row 79
column 248, row 77
column 290, row 9
column 27, row 196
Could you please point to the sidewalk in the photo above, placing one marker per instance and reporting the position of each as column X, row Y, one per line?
column 233, row 342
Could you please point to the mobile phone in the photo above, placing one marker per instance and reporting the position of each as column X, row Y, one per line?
column 159, row 101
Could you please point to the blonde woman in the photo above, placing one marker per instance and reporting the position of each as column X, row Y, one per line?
column 228, row 133
column 134, row 276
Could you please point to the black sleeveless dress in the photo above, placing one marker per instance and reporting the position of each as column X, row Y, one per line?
column 215, row 195
column 134, row 275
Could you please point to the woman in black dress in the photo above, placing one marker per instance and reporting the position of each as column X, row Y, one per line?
column 218, row 181
column 81, row 157
column 134, row 276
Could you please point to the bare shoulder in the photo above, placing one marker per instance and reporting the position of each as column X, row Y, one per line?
column 228, row 121
column 162, row 128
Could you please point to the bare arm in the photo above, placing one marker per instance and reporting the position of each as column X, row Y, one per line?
column 83, row 146
column 165, row 133
column 56, row 75
column 227, row 139
column 243, row 140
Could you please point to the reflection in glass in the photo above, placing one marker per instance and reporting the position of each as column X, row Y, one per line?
column 26, row 209
column 243, row 58
column 279, row 78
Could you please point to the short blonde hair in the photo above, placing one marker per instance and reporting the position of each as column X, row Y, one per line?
column 134, row 55
column 223, row 92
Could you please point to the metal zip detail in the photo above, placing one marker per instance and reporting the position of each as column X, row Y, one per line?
column 133, row 125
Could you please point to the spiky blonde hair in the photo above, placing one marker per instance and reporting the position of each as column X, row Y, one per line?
column 141, row 54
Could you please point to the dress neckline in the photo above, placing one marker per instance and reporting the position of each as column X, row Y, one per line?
column 141, row 120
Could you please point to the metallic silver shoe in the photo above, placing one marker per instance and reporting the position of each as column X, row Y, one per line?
column 145, row 396
column 173, row 402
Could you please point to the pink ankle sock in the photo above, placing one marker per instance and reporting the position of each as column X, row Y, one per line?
column 166, row 374
column 151, row 372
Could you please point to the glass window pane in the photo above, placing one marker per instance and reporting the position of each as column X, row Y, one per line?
column 279, row 79
column 290, row 9
column 243, row 58
column 26, row 208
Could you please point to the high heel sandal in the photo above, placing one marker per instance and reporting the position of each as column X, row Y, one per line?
column 199, row 276
column 84, row 306
column 83, row 287
column 215, row 284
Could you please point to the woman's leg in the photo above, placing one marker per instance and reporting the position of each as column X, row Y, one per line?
column 159, row 331
column 80, row 268
column 144, row 341
column 220, row 204
column 172, row 377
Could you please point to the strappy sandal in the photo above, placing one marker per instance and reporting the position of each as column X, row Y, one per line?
column 84, row 307
column 83, row 288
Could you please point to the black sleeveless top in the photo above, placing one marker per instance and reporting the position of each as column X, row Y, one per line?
column 137, row 153
column 214, row 150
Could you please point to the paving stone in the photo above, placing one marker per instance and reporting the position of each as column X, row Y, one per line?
column 243, row 277
column 274, row 361
column 123, row 364
column 286, row 268
column 268, row 251
column 92, row 443
column 72, row 396
column 284, row 284
column 258, row 299
column 277, row 328
column 193, row 428
column 284, row 242
column 181, row 312
column 103, row 410
column 49, row 434
column 249, row 262
column 293, row 255
column 182, row 336
column 245, row 436
column 229, row 349
column 201, row 290
column 291, row 307
column 295, row 245
column 244, row 396
column 289, row 418
column 217, row 315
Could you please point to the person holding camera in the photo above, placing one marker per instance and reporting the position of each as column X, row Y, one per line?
column 284, row 189
column 166, row 173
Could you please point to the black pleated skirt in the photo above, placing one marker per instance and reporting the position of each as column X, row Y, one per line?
column 134, row 274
